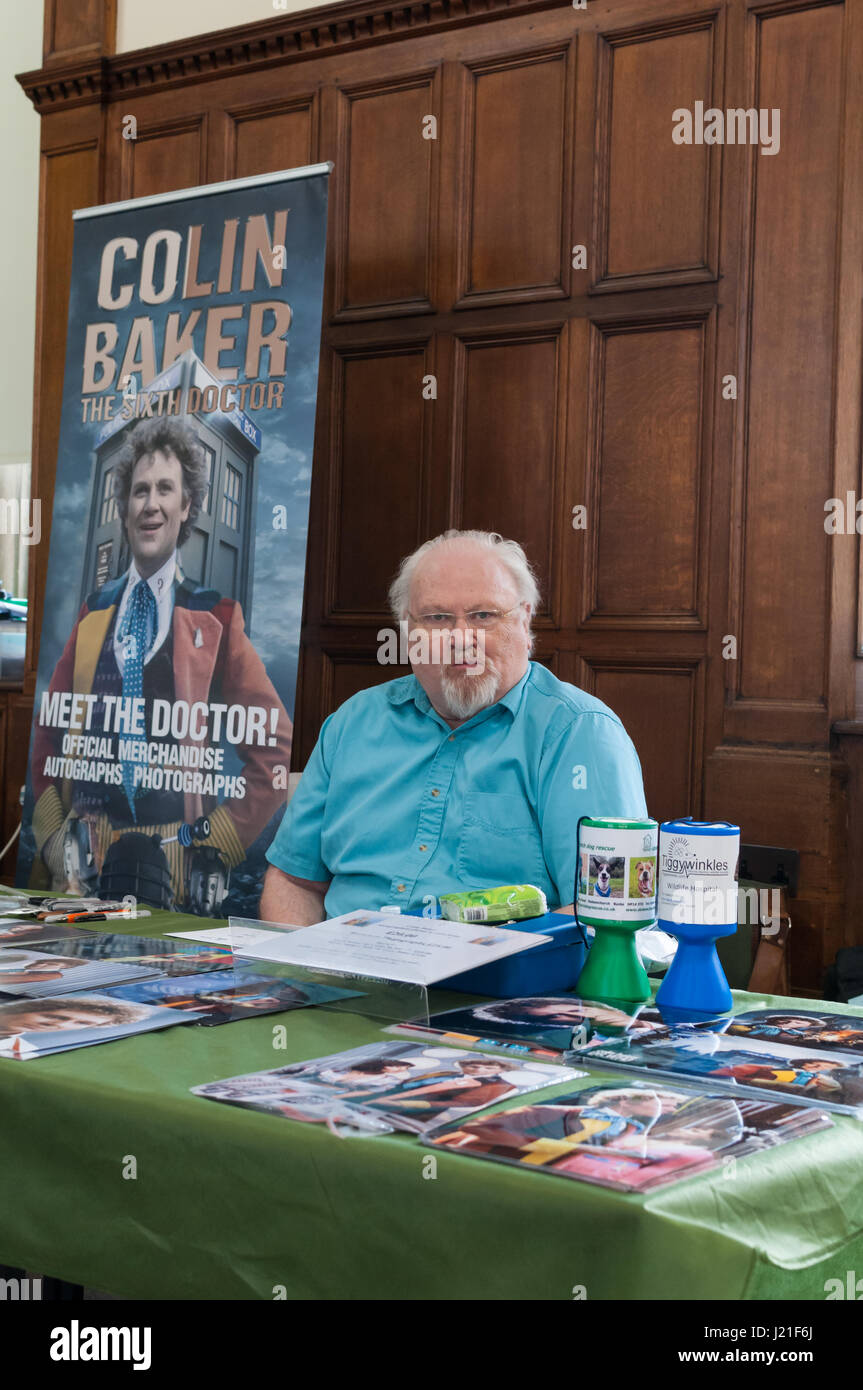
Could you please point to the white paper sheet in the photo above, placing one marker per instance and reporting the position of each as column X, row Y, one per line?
column 410, row 950
column 226, row 936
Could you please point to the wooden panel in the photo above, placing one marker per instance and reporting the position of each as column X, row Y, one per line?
column 163, row 158
column 782, row 565
column 345, row 676
column 509, row 442
column 652, row 697
column 782, row 797
column 377, row 477
column 519, row 154
column 851, row 751
column 384, row 247
column 78, row 29
column 653, row 211
column 266, row 140
column 643, row 500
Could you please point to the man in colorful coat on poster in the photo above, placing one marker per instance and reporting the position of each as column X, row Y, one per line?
column 152, row 633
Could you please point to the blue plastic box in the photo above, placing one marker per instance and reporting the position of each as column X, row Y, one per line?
column 549, row 969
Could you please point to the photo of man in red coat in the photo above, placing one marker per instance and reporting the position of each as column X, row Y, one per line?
column 204, row 793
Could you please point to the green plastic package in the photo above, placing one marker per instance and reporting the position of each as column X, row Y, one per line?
column 511, row 902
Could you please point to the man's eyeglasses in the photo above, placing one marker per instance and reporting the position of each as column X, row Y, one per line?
column 483, row 618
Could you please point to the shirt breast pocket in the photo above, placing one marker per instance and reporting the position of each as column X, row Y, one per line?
column 500, row 842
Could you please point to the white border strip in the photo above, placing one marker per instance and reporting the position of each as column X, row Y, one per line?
column 254, row 181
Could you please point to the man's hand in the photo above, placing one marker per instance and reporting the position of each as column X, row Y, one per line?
column 298, row 902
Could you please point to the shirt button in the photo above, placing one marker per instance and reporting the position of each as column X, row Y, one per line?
column 423, row 848
column 435, row 791
column 451, row 738
column 400, row 887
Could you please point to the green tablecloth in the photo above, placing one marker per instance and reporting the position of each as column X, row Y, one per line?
column 232, row 1204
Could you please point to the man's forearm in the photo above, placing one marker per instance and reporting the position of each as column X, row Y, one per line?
column 298, row 902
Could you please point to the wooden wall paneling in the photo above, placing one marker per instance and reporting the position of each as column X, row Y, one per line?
column 655, row 201
column 269, row 136
column 848, row 918
column 548, row 655
column 16, row 736
column 181, row 138
column 648, row 462
column 310, row 707
column 327, row 433
column 509, row 445
column 330, row 146
column 846, row 552
column 782, row 796
column 75, row 30
column 441, row 506
column 332, row 671
column 575, row 537
column 385, row 240
column 453, row 139
column 660, row 702
column 218, row 142
column 728, row 419
column 583, row 229
column 782, row 568
column 562, row 662
column 379, row 433
column 309, row 710
column 844, row 925
column 348, row 674
column 166, row 155
column 514, row 232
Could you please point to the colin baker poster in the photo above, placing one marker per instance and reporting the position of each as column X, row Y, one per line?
column 162, row 724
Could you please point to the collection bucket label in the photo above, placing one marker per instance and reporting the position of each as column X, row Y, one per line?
column 617, row 873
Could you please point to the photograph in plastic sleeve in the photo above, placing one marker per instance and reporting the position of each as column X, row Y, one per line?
column 222, row 997
column 24, row 931
column 801, row 1028
column 33, row 973
column 157, row 956
column 631, row 1137
column 558, row 1024
column 38, row 1027
column 408, row 1086
column 754, row 1065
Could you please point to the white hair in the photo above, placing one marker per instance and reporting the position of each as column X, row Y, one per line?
column 510, row 554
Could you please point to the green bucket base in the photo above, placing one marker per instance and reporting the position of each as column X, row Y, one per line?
column 613, row 970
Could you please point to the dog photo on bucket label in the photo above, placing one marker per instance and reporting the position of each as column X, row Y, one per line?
column 642, row 877
column 606, row 877
column 583, row 873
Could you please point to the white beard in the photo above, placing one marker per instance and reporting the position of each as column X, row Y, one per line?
column 465, row 696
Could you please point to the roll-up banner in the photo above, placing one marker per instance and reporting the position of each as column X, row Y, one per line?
column 161, row 735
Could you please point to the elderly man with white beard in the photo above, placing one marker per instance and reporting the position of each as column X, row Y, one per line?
column 468, row 773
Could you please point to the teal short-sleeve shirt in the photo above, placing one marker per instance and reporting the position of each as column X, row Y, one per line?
column 395, row 807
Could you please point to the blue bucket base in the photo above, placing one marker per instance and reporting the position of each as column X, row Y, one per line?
column 549, row 969
column 695, row 980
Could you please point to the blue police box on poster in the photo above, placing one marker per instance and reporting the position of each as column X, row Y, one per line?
column 169, row 646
